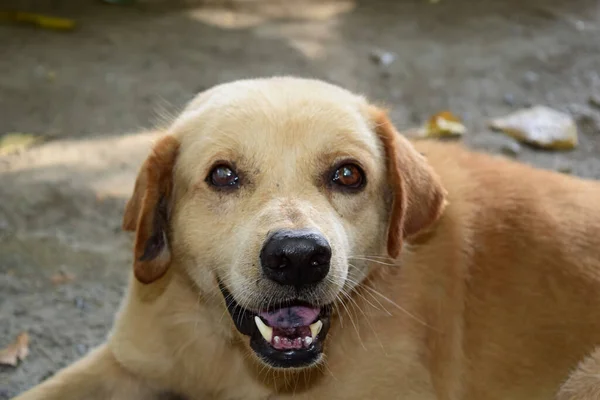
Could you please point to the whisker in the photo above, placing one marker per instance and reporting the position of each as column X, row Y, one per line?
column 372, row 256
column 366, row 319
column 399, row 307
column 373, row 261
column 372, row 296
column 362, row 296
column 353, row 324
column 329, row 369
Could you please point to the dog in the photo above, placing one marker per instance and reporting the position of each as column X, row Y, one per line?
column 290, row 243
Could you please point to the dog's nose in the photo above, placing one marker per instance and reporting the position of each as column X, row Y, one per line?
column 296, row 257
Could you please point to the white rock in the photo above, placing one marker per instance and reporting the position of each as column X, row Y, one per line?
column 540, row 126
column 381, row 57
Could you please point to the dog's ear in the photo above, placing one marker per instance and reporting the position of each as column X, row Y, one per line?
column 419, row 198
column 146, row 212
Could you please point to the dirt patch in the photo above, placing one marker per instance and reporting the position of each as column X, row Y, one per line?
column 126, row 68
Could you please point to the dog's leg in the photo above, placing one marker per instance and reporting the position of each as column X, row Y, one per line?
column 584, row 382
column 96, row 376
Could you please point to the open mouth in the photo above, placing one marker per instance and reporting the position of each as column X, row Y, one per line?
column 289, row 335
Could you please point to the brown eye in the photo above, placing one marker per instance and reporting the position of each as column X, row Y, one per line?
column 223, row 176
column 349, row 176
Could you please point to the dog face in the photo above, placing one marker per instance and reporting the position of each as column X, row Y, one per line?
column 272, row 195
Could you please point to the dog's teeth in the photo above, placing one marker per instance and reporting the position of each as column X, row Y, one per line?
column 316, row 328
column 265, row 331
column 277, row 340
column 307, row 341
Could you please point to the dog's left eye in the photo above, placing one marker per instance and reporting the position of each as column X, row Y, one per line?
column 349, row 176
column 223, row 176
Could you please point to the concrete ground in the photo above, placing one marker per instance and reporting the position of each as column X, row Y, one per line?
column 127, row 68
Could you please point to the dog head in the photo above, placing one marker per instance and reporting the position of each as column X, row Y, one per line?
column 272, row 195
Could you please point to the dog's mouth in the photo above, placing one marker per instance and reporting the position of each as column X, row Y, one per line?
column 289, row 335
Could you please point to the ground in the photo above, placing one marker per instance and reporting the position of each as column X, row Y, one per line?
column 89, row 91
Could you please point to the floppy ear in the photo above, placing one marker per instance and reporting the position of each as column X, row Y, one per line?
column 419, row 197
column 146, row 212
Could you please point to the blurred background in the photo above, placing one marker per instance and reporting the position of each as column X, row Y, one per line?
column 80, row 80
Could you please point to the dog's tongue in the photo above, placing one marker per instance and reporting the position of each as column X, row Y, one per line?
column 290, row 317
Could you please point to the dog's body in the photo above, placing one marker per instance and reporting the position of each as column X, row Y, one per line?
column 497, row 298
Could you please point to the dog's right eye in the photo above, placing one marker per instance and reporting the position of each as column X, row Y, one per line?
column 349, row 177
column 223, row 176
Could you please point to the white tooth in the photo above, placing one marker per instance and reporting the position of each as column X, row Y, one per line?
column 277, row 340
column 316, row 328
column 308, row 340
column 265, row 331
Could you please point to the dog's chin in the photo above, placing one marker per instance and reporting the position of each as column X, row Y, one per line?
column 296, row 342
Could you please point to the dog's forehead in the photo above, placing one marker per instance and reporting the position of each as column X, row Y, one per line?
column 276, row 90
column 289, row 125
column 276, row 109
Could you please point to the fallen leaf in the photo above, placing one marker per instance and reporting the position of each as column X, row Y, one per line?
column 62, row 277
column 539, row 126
column 16, row 351
column 443, row 124
column 17, row 141
column 41, row 20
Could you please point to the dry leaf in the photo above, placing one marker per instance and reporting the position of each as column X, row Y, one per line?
column 443, row 124
column 17, row 141
column 540, row 126
column 16, row 351
column 41, row 20
column 62, row 277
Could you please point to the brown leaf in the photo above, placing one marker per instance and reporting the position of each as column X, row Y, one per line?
column 16, row 351
column 444, row 124
column 62, row 277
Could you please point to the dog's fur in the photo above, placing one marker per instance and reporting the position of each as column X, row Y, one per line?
column 456, row 275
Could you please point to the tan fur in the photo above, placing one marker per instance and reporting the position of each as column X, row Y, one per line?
column 418, row 194
column 494, row 293
column 584, row 382
column 154, row 184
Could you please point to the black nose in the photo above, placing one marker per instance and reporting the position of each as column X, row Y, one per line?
column 296, row 257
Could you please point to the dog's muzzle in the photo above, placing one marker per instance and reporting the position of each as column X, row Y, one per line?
column 289, row 335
